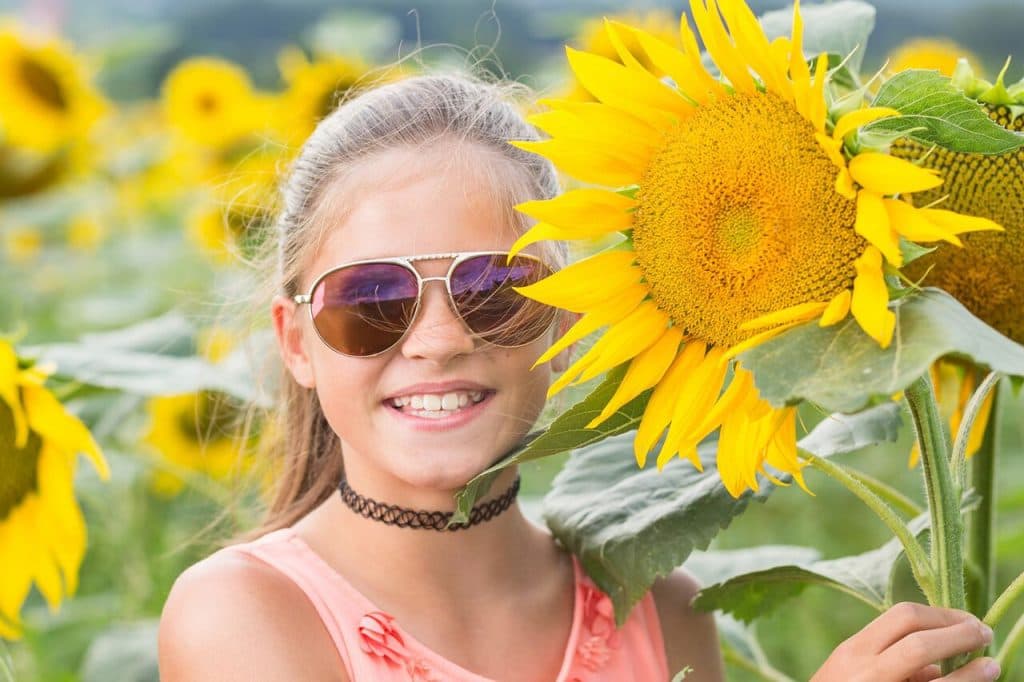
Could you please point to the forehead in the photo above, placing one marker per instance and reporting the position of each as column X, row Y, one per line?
column 406, row 202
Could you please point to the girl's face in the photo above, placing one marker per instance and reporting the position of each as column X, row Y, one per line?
column 414, row 203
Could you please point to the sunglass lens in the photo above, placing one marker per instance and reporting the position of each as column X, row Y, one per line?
column 482, row 288
column 365, row 309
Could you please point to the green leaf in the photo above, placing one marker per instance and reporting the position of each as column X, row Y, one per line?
column 840, row 28
column 936, row 112
column 565, row 433
column 125, row 652
column 750, row 595
column 841, row 368
column 629, row 526
column 147, row 359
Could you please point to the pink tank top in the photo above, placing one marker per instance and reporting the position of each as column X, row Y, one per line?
column 374, row 647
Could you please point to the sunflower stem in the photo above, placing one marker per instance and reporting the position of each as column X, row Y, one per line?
column 895, row 499
column 916, row 556
column 963, row 434
column 1002, row 604
column 980, row 548
column 947, row 559
column 1013, row 640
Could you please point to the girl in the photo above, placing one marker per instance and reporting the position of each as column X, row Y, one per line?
column 408, row 371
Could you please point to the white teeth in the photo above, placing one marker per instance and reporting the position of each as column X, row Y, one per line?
column 437, row 404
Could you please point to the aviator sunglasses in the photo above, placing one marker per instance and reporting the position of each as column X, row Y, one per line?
column 365, row 308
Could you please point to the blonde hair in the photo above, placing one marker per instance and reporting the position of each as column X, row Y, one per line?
column 418, row 112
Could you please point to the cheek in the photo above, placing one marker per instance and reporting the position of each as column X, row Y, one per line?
column 345, row 388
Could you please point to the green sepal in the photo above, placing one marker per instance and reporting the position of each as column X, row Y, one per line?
column 629, row 191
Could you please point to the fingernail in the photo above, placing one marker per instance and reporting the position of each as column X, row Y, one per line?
column 992, row 670
column 986, row 633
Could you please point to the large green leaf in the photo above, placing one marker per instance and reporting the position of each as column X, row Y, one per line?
column 841, row 368
column 565, row 433
column 840, row 28
column 629, row 525
column 936, row 112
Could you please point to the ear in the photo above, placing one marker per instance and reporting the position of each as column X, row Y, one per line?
column 289, row 332
column 566, row 319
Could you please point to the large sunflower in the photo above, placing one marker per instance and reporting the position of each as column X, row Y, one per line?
column 46, row 100
column 42, row 532
column 746, row 214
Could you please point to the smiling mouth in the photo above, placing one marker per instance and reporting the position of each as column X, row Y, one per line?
column 438, row 405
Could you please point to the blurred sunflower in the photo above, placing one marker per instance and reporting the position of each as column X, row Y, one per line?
column 746, row 214
column 593, row 38
column 197, row 432
column 211, row 102
column 988, row 275
column 42, row 532
column 22, row 243
column 939, row 54
column 46, row 100
column 314, row 89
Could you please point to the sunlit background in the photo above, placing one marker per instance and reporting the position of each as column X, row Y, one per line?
column 141, row 142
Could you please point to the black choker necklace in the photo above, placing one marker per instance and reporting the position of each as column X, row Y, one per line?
column 431, row 520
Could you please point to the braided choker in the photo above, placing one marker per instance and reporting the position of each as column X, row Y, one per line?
column 430, row 520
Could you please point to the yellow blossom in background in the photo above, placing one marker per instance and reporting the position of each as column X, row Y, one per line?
column 42, row 531
column 22, row 243
column 313, row 90
column 211, row 102
column 85, row 233
column 746, row 213
column 939, row 54
column 46, row 99
column 593, row 38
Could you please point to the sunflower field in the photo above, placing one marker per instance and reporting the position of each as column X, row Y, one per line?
column 797, row 257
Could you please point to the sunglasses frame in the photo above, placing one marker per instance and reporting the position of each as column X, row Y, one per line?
column 406, row 262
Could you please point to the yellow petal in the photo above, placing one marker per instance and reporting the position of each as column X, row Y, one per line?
column 65, row 523
column 586, row 283
column 797, row 313
column 19, row 558
column 614, row 141
column 870, row 304
column 729, row 60
column 738, row 389
column 644, row 371
column 48, row 418
column 612, row 29
column 636, row 91
column 591, row 211
column 873, row 224
column 798, row 69
column 753, row 45
column 884, row 174
column 624, row 341
column 659, row 408
column 700, row 391
column 912, row 224
column 845, row 186
column 9, row 392
column 837, row 309
column 593, row 120
column 586, row 163
column 833, row 148
column 688, row 73
column 860, row 117
column 816, row 97
column 610, row 312
column 757, row 340
column 959, row 223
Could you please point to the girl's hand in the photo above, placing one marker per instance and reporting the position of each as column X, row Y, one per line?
column 905, row 643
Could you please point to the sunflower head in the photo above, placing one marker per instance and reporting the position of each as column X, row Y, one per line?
column 42, row 533
column 211, row 102
column 746, row 208
column 46, row 99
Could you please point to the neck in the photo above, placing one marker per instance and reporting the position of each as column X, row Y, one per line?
column 388, row 562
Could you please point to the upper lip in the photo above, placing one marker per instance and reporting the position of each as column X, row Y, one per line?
column 437, row 387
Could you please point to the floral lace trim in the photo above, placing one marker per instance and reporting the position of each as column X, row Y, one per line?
column 599, row 637
column 379, row 638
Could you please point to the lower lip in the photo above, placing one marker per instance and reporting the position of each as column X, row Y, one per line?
column 454, row 421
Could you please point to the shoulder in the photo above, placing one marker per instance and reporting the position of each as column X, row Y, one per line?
column 690, row 635
column 233, row 617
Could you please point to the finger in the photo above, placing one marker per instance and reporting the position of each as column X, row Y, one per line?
column 978, row 670
column 903, row 619
column 929, row 673
column 924, row 647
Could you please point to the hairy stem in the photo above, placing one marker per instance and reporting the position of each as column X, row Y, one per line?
column 1013, row 640
column 1002, row 604
column 980, row 548
column 893, row 497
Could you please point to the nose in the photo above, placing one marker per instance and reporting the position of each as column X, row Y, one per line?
column 437, row 333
